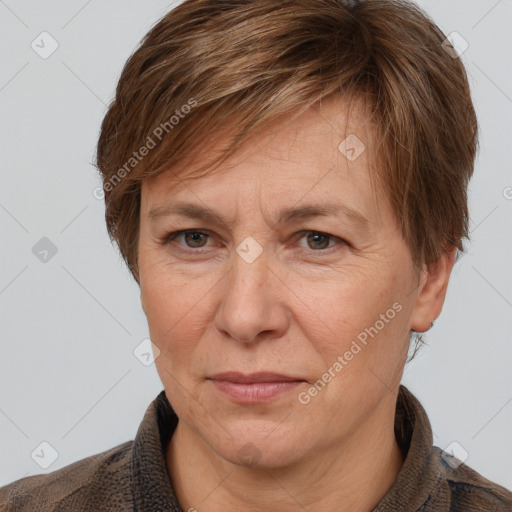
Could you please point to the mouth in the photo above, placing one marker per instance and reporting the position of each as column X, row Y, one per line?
column 254, row 387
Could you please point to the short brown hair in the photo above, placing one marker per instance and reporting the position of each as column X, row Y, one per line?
column 247, row 63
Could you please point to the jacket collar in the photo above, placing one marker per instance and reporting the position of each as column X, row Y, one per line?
column 419, row 482
column 151, row 485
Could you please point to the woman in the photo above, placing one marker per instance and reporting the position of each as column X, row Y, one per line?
column 287, row 182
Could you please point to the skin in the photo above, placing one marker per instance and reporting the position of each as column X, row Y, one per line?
column 293, row 310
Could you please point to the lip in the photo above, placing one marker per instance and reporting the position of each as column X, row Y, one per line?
column 251, row 378
column 254, row 387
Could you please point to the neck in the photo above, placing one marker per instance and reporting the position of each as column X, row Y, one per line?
column 352, row 476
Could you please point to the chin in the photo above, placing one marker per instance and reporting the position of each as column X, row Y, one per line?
column 259, row 444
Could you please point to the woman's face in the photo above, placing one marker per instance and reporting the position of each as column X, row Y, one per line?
column 265, row 284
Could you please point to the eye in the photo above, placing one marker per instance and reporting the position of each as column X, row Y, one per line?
column 318, row 241
column 193, row 239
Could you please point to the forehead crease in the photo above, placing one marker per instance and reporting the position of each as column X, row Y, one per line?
column 283, row 216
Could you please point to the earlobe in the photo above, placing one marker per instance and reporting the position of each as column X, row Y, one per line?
column 431, row 325
column 432, row 292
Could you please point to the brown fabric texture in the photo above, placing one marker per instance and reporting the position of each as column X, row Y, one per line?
column 133, row 475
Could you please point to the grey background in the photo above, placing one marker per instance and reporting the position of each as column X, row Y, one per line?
column 68, row 375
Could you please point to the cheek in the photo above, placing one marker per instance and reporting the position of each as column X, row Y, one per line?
column 353, row 309
column 169, row 294
column 177, row 311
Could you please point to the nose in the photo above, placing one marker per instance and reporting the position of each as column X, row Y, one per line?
column 253, row 301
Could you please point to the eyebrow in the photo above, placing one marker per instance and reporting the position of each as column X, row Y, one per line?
column 195, row 211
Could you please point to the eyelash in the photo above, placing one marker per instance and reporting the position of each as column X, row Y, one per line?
column 175, row 234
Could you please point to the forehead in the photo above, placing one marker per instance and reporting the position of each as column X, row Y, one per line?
column 321, row 153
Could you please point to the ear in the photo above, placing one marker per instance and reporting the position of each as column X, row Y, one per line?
column 432, row 288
